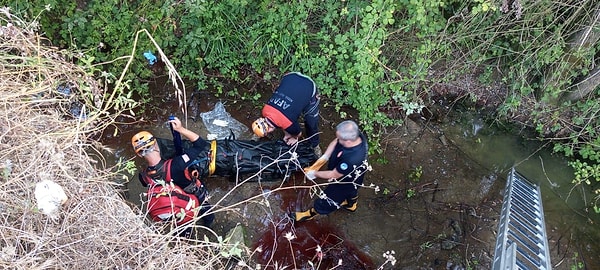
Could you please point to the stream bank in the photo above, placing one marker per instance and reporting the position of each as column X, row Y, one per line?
column 437, row 206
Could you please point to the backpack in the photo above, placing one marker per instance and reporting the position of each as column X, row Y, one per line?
column 167, row 201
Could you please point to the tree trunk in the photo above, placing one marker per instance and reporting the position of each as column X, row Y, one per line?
column 586, row 37
column 584, row 87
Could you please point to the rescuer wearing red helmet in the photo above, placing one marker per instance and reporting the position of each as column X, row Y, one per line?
column 296, row 96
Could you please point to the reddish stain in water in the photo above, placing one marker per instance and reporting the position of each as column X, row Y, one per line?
column 276, row 249
column 294, row 195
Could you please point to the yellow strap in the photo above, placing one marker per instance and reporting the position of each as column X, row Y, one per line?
column 162, row 193
column 213, row 157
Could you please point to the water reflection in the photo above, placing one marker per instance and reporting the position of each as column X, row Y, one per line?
column 565, row 210
column 450, row 190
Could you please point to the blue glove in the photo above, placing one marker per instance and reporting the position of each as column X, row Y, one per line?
column 150, row 57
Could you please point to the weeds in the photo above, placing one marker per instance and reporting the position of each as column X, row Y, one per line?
column 472, row 264
column 415, row 175
column 426, row 245
column 96, row 221
column 576, row 263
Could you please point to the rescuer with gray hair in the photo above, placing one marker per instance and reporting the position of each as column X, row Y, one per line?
column 346, row 158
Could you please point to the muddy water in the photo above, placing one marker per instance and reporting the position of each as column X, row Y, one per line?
column 571, row 226
column 443, row 218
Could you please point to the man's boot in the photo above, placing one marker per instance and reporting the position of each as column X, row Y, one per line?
column 304, row 216
column 350, row 204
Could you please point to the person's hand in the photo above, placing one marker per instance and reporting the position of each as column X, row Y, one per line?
column 291, row 140
column 176, row 124
column 311, row 175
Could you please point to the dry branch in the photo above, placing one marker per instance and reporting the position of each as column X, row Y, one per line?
column 49, row 115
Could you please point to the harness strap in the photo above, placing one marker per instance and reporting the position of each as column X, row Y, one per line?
column 173, row 194
column 213, row 157
column 167, row 169
column 192, row 174
column 163, row 168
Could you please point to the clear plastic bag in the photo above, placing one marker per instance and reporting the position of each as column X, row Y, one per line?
column 220, row 124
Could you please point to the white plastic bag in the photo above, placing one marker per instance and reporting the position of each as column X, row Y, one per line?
column 220, row 124
column 49, row 196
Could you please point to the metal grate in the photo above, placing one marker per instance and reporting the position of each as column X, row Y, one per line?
column 521, row 242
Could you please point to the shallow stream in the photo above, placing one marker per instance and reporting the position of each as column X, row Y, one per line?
column 439, row 199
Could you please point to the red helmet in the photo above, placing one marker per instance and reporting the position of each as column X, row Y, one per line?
column 142, row 140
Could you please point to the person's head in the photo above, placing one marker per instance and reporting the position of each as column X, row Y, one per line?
column 143, row 143
column 347, row 131
column 262, row 127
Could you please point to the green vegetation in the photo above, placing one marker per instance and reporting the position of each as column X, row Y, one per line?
column 371, row 56
column 575, row 262
column 426, row 245
column 415, row 174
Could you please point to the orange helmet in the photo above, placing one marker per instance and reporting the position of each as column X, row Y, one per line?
column 261, row 127
column 142, row 141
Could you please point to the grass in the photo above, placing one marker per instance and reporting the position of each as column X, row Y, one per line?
column 49, row 135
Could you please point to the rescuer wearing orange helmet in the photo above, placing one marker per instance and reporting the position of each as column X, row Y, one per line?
column 145, row 145
column 296, row 96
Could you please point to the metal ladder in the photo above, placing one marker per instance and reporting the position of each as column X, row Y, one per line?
column 521, row 242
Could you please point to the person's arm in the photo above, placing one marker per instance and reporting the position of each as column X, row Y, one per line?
column 329, row 149
column 292, row 132
column 333, row 174
column 198, row 143
column 323, row 158
column 313, row 171
column 177, row 126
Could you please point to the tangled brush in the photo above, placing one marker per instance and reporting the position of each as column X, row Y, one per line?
column 52, row 112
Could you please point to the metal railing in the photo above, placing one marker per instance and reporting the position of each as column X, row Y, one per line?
column 521, row 242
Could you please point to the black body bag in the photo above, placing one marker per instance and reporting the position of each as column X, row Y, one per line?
column 244, row 158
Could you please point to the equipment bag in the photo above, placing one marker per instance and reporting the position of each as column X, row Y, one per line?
column 167, row 201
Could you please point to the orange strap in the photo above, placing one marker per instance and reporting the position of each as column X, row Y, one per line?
column 318, row 164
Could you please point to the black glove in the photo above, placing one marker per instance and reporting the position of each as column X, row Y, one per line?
column 199, row 191
column 142, row 180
